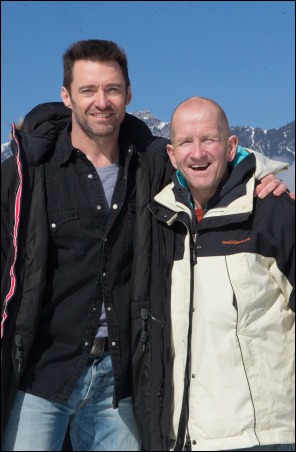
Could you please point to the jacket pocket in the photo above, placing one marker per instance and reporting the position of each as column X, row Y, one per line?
column 65, row 238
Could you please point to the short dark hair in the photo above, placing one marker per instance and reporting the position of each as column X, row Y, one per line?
column 93, row 50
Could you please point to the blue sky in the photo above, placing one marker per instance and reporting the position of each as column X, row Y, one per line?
column 239, row 53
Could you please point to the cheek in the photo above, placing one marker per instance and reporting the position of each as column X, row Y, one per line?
column 181, row 161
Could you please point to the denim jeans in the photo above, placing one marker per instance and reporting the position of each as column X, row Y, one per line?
column 37, row 424
column 272, row 447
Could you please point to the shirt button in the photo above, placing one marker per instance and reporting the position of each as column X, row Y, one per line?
column 90, row 176
column 113, row 344
column 193, row 376
column 99, row 207
column 53, row 225
column 94, row 309
column 194, row 442
column 108, row 309
column 104, row 274
column 86, row 344
column 115, row 206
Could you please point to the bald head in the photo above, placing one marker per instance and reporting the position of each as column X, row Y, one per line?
column 199, row 107
column 201, row 147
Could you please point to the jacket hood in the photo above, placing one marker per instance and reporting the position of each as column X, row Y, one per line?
column 235, row 185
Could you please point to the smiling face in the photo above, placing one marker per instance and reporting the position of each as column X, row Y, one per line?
column 201, row 147
column 98, row 98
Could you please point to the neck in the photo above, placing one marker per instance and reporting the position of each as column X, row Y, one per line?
column 201, row 198
column 101, row 151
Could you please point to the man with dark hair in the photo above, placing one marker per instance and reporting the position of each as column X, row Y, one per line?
column 68, row 212
column 66, row 328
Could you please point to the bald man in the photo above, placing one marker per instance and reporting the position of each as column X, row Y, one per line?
column 219, row 319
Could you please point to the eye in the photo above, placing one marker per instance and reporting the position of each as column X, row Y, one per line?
column 113, row 90
column 185, row 143
column 87, row 91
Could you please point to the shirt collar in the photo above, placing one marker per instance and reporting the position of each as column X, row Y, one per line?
column 65, row 148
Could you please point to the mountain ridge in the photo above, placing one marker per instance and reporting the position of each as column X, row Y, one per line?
column 277, row 144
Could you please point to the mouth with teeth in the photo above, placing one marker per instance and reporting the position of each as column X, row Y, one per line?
column 200, row 168
column 101, row 115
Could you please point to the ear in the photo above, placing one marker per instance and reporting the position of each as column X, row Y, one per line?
column 232, row 144
column 66, row 98
column 128, row 95
column 171, row 153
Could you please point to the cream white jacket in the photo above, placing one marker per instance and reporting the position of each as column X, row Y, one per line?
column 234, row 322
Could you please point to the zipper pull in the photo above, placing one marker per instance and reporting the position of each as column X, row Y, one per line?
column 19, row 354
column 188, row 442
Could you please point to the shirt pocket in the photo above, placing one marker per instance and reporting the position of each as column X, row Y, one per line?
column 65, row 238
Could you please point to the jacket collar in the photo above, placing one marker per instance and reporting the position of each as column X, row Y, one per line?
column 232, row 203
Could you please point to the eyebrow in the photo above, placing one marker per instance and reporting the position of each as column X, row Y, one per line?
column 183, row 137
column 86, row 86
column 110, row 85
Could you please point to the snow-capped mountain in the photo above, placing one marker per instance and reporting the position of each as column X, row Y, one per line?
column 5, row 151
column 277, row 144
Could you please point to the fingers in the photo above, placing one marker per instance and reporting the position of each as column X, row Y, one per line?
column 267, row 179
column 275, row 186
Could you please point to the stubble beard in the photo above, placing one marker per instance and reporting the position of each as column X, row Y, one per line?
column 94, row 131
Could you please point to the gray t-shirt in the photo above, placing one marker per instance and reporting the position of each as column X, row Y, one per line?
column 108, row 176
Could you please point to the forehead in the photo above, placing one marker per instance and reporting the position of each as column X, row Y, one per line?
column 86, row 71
column 196, row 122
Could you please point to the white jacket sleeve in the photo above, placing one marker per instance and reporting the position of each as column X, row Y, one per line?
column 265, row 166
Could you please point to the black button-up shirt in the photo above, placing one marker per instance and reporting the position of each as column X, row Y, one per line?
column 89, row 262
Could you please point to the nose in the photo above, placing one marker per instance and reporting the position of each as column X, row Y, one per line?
column 197, row 149
column 101, row 100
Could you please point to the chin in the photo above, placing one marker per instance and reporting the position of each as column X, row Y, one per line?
column 104, row 131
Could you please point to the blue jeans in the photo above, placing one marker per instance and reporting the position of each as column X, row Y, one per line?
column 272, row 447
column 37, row 424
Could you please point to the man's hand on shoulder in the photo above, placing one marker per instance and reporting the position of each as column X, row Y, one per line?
column 269, row 184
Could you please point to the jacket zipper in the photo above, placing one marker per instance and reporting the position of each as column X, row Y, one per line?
column 144, row 332
column 183, row 435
